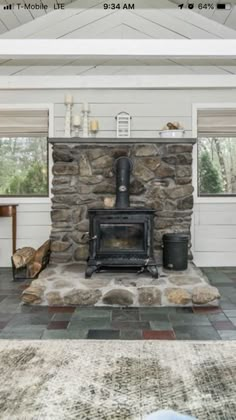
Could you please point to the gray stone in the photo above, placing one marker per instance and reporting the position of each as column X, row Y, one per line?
column 102, row 162
column 164, row 170
column 80, row 237
column 170, row 205
column 61, row 180
column 205, row 294
column 65, row 168
column 81, row 253
column 82, row 297
column 33, row 294
column 62, row 155
column 83, row 226
column 185, row 203
column 78, row 214
column 179, row 148
column 179, row 191
column 184, row 159
column 61, row 227
column 95, row 282
column 118, row 296
column 68, row 199
column 157, row 205
column 63, row 189
column 183, row 171
column 183, row 181
column 183, row 280
column 74, row 268
column 105, row 188
column 178, row 296
column 162, row 223
column 59, row 258
column 60, row 246
column 95, row 153
column 151, row 162
column 119, row 151
column 63, row 283
column 47, row 272
column 91, row 180
column 84, row 166
column 142, row 172
column 171, row 160
column 95, row 204
column 146, row 150
column 149, row 296
column 85, row 189
column 54, row 298
column 137, row 187
column 157, row 193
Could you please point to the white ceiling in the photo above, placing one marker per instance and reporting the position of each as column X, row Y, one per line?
column 84, row 19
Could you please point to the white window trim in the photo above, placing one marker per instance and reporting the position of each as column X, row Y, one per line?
column 31, row 200
column 195, row 107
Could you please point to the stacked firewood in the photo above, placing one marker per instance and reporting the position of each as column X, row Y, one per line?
column 34, row 260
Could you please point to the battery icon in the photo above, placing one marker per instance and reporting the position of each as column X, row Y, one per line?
column 223, row 6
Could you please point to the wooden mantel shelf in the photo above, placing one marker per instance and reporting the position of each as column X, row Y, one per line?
column 115, row 140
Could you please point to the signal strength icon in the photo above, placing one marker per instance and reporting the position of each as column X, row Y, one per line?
column 8, row 7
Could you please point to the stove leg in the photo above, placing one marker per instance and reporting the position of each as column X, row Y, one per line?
column 153, row 270
column 90, row 270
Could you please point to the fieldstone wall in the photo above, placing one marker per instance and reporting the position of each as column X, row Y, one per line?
column 83, row 178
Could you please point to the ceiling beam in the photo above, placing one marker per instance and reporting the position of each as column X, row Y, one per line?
column 118, row 82
column 54, row 48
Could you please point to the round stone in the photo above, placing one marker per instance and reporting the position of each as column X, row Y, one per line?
column 178, row 296
column 205, row 294
column 149, row 296
column 54, row 298
column 184, row 280
column 118, row 297
column 82, row 297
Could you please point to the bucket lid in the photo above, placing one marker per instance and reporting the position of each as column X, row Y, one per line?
column 175, row 237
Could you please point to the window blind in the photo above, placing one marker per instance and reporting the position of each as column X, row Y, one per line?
column 23, row 122
column 216, row 122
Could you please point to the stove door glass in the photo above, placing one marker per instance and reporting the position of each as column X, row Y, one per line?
column 121, row 237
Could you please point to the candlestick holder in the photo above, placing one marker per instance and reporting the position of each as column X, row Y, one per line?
column 76, row 130
column 85, row 122
column 68, row 120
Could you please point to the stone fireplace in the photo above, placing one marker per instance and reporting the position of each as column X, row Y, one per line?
column 84, row 183
column 83, row 178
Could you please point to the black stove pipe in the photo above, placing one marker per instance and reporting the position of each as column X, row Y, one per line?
column 123, row 168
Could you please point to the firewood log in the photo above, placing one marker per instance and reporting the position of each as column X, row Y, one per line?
column 36, row 264
column 23, row 256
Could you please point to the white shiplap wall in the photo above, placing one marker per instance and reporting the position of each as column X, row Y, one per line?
column 214, row 232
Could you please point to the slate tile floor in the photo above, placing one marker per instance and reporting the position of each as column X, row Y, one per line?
column 35, row 322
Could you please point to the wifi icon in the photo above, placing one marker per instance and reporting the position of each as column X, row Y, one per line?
column 8, row 7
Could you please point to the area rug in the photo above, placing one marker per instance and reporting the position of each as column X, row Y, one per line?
column 112, row 380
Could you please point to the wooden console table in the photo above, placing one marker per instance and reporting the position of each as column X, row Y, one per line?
column 9, row 210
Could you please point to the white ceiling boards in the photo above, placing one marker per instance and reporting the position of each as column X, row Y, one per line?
column 133, row 40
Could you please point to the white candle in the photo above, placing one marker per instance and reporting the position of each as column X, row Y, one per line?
column 76, row 120
column 86, row 107
column 68, row 99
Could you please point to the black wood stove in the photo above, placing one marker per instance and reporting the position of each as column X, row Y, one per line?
column 121, row 237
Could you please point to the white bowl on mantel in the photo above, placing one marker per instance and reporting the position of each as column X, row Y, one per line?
column 177, row 134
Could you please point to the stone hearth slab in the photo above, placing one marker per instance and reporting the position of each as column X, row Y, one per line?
column 65, row 284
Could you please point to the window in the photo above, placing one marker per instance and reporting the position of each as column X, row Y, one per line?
column 216, row 152
column 23, row 153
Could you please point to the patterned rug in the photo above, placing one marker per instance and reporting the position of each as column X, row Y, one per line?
column 113, row 380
